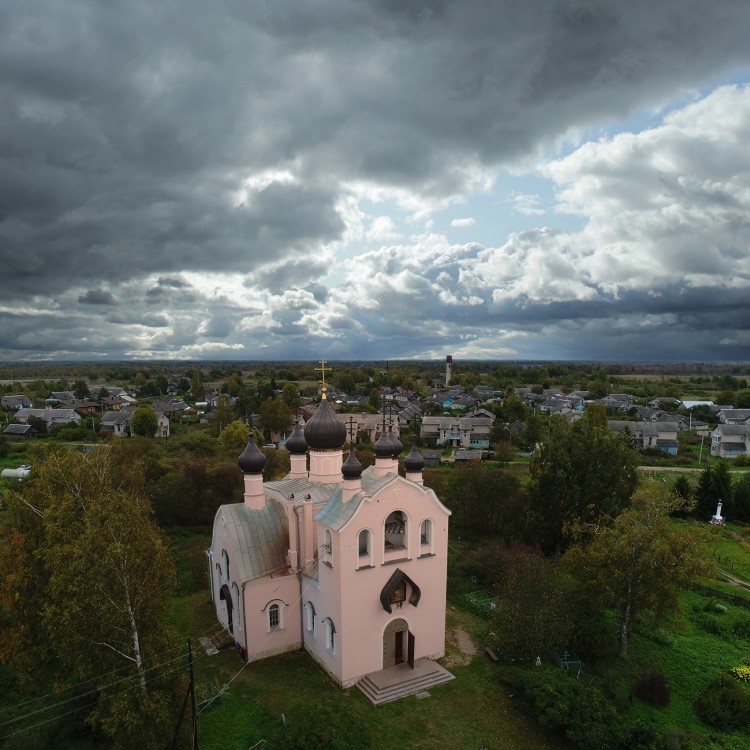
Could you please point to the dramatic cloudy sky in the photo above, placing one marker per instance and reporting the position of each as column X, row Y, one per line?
column 561, row 179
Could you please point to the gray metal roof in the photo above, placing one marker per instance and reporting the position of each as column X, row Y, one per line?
column 336, row 513
column 259, row 539
column 732, row 429
column 301, row 487
column 17, row 429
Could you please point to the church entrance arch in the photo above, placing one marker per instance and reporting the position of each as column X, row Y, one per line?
column 398, row 644
column 226, row 596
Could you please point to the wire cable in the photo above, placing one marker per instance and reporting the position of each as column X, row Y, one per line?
column 215, row 627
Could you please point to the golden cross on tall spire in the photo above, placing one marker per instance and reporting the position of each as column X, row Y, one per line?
column 322, row 370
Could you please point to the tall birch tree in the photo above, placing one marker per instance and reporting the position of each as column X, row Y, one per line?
column 102, row 581
column 638, row 565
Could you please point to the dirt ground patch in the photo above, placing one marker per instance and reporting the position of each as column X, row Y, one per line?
column 459, row 648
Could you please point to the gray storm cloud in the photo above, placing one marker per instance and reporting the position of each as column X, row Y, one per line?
column 141, row 142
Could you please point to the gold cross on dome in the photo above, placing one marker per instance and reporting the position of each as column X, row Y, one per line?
column 322, row 370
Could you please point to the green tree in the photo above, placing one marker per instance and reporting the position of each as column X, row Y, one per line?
column 583, row 474
column 725, row 398
column 290, row 395
column 533, row 616
column 683, row 487
column 144, row 422
column 513, row 408
column 81, row 389
column 484, row 500
column 234, row 437
column 376, row 401
column 596, row 414
column 197, row 389
column 102, row 576
column 38, row 424
column 275, row 415
column 741, row 498
column 638, row 565
column 535, row 429
column 714, row 484
column 223, row 414
column 161, row 384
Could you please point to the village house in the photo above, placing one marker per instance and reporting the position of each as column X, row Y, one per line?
column 658, row 435
column 117, row 423
column 19, row 432
column 730, row 440
column 734, row 416
column 349, row 564
column 16, row 402
column 458, row 432
column 52, row 417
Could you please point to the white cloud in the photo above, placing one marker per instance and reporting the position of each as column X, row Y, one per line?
column 528, row 205
column 461, row 223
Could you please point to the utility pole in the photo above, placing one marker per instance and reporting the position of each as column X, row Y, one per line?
column 192, row 696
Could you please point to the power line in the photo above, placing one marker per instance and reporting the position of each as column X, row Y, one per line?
column 249, row 657
column 136, row 676
column 214, row 627
column 87, row 705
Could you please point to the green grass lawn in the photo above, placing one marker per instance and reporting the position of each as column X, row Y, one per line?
column 474, row 708
column 689, row 657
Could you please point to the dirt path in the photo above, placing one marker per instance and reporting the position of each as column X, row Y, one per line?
column 459, row 647
column 734, row 581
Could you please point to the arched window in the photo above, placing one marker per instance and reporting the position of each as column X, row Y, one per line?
column 310, row 611
column 365, row 543
column 327, row 548
column 225, row 558
column 274, row 617
column 425, row 533
column 330, row 635
column 275, row 613
column 236, row 597
column 395, row 531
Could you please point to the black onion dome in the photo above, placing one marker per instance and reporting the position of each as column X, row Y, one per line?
column 398, row 446
column 384, row 446
column 296, row 442
column 325, row 431
column 252, row 460
column 414, row 461
column 352, row 468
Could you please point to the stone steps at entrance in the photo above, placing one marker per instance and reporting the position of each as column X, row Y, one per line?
column 401, row 681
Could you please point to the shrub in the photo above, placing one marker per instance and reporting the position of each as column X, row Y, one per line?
column 654, row 689
column 741, row 625
column 582, row 711
column 712, row 624
column 741, row 674
column 643, row 737
column 724, row 704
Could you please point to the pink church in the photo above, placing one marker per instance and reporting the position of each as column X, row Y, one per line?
column 348, row 564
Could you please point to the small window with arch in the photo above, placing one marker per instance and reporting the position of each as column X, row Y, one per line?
column 364, row 546
column 425, row 533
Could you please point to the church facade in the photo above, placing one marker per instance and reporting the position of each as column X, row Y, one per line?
column 349, row 564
